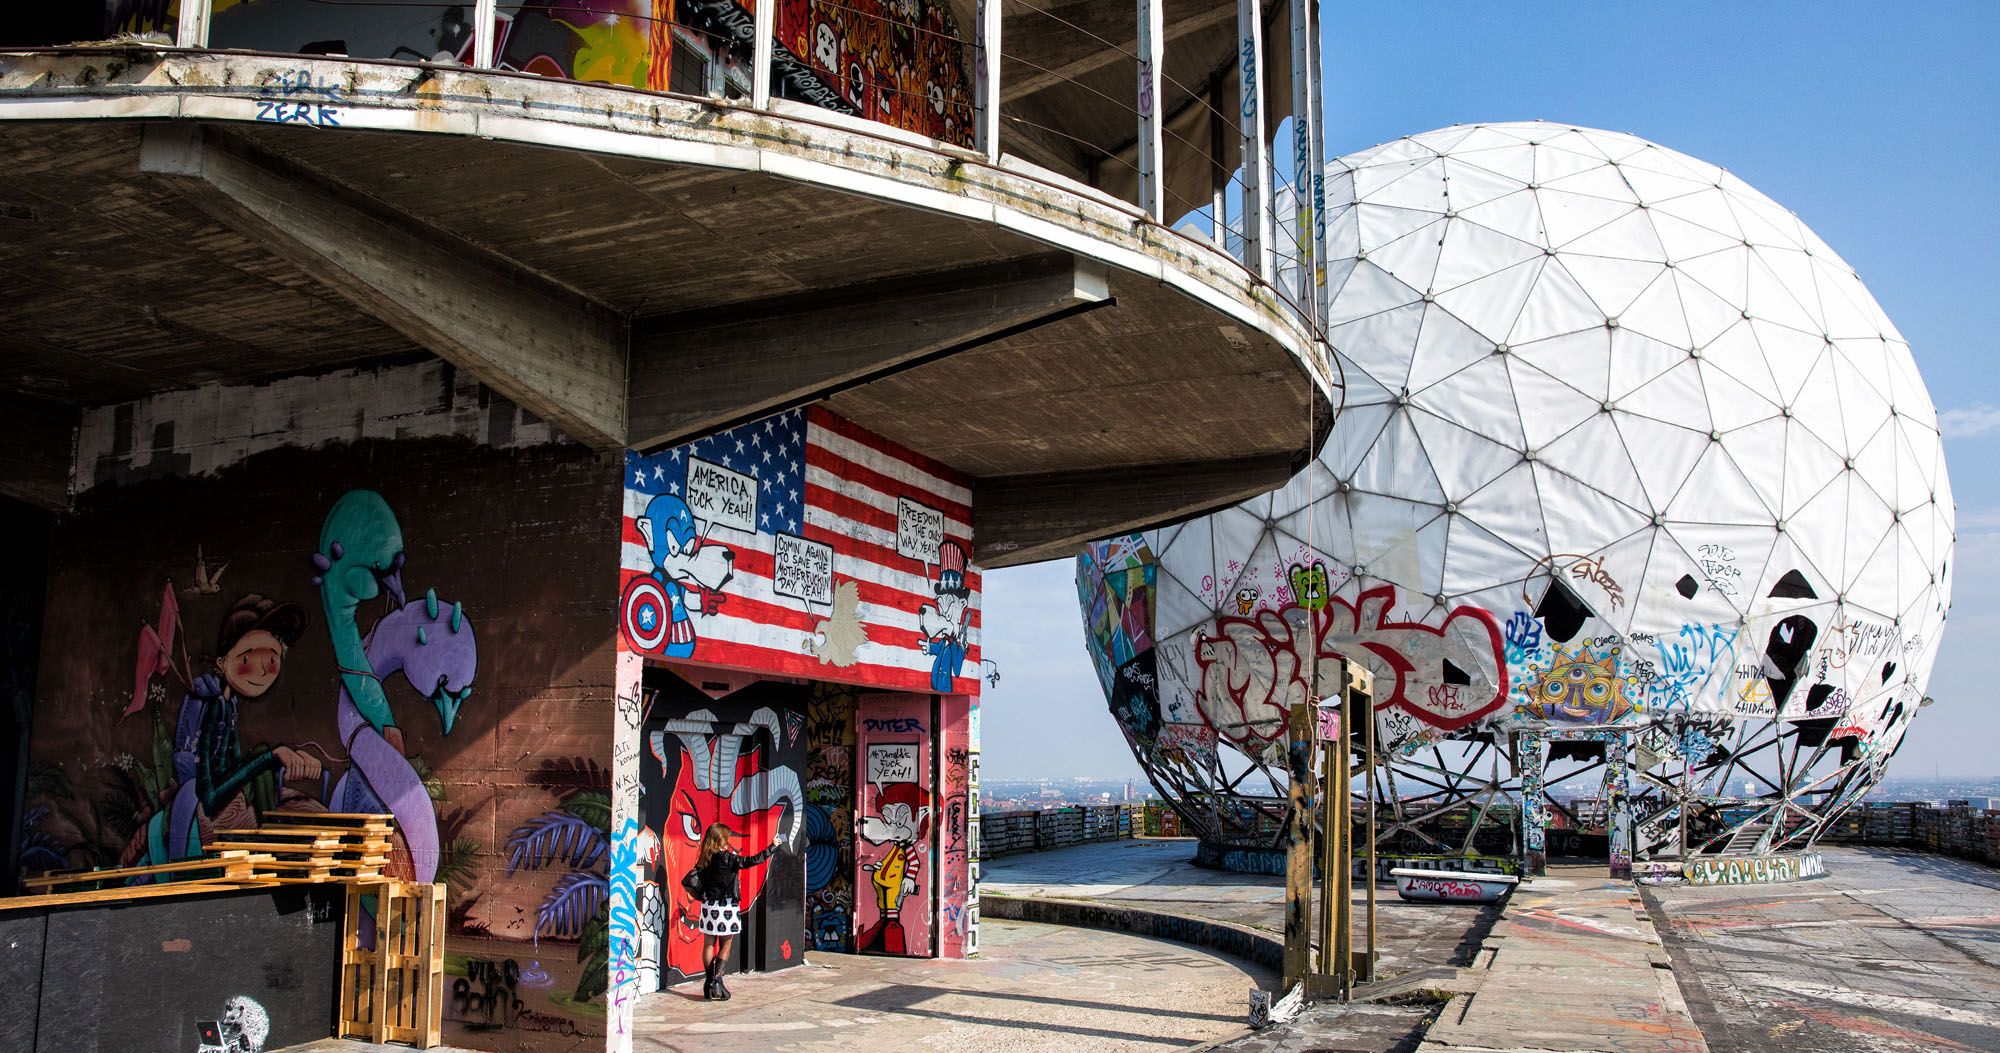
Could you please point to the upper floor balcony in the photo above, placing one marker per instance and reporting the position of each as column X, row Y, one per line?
column 1035, row 239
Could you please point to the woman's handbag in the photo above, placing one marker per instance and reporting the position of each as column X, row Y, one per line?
column 691, row 882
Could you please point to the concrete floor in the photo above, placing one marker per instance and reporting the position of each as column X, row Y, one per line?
column 1156, row 873
column 1033, row 988
column 1890, row 952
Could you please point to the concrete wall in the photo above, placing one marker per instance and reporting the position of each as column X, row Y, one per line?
column 1957, row 829
column 1011, row 833
column 256, row 966
column 219, row 499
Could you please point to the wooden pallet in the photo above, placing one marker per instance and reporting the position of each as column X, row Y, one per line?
column 394, row 991
column 234, row 865
column 314, row 847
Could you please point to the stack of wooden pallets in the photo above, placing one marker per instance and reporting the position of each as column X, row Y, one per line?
column 235, row 868
column 313, row 847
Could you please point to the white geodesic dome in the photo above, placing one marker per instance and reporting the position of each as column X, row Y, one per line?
column 1623, row 442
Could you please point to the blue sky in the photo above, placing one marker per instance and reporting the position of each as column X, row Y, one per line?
column 1879, row 124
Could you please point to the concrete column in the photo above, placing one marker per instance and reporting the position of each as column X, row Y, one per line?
column 987, row 80
column 1534, row 810
column 1256, row 149
column 193, row 29
column 1618, row 804
column 482, row 34
column 629, row 927
column 1305, row 93
column 761, row 54
column 1322, row 302
column 1152, row 159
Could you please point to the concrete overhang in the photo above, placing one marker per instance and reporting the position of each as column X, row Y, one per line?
column 173, row 218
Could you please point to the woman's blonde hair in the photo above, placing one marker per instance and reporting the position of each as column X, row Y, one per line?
column 714, row 839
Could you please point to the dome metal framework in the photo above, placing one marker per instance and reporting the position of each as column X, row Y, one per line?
column 1635, row 485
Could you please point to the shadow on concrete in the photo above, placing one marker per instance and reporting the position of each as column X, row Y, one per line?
column 905, row 998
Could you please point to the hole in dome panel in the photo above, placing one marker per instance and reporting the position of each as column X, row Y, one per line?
column 1793, row 586
column 1562, row 612
column 1785, row 653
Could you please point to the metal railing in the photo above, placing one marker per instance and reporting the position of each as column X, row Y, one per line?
column 910, row 66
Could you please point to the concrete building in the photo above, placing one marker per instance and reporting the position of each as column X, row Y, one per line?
column 565, row 424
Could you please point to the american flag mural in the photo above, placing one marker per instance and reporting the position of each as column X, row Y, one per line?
column 802, row 545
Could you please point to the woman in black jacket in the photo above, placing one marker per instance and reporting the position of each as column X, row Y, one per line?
column 713, row 882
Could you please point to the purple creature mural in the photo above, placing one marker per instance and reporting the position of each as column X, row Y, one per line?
column 431, row 644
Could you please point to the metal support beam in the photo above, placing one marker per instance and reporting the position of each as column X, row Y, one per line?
column 1152, row 155
column 192, row 32
column 1256, row 156
column 1030, row 518
column 694, row 374
column 548, row 349
column 37, row 443
column 987, row 82
column 761, row 54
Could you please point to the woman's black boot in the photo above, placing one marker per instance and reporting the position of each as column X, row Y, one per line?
column 720, row 988
column 710, row 982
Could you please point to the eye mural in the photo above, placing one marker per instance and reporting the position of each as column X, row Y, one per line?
column 1580, row 687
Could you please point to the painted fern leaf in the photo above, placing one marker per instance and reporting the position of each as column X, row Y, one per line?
column 557, row 836
column 576, row 899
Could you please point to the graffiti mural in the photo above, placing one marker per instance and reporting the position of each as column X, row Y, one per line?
column 801, row 545
column 290, row 652
column 956, row 900
column 735, row 761
column 1579, row 687
column 830, row 817
column 894, row 879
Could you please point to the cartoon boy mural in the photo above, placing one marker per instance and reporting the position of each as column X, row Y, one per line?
column 687, row 569
column 900, row 825
column 210, row 766
column 943, row 623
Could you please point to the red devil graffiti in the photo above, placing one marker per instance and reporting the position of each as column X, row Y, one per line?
column 719, row 777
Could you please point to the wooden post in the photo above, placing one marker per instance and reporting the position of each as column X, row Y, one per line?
column 385, row 924
column 1152, row 159
column 1298, row 846
column 987, row 80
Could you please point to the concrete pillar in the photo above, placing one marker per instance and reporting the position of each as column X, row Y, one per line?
column 1256, row 148
column 1618, row 804
column 1152, row 159
column 761, row 54
column 192, row 32
column 482, row 33
column 987, row 79
column 1534, row 808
